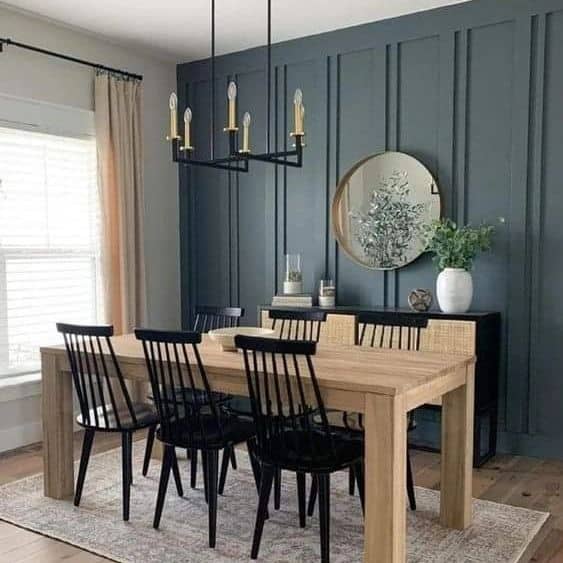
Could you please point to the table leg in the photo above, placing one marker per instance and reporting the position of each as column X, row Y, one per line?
column 385, row 426
column 457, row 454
column 157, row 450
column 57, row 413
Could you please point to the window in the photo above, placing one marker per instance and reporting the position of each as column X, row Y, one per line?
column 49, row 242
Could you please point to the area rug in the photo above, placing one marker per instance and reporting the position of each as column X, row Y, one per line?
column 499, row 534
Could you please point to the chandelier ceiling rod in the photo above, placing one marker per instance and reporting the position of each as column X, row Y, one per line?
column 212, row 124
column 237, row 159
column 269, row 74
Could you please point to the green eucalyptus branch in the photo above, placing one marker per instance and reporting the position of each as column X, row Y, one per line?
column 457, row 247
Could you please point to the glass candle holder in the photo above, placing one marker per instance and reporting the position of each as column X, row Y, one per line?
column 293, row 283
column 327, row 293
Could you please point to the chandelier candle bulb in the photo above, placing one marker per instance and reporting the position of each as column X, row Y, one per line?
column 298, row 112
column 232, row 97
column 187, row 129
column 173, row 105
column 246, row 133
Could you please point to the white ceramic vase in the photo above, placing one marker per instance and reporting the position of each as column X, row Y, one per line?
column 454, row 290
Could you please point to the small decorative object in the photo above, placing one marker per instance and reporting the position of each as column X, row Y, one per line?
column 293, row 276
column 420, row 300
column 381, row 209
column 454, row 250
column 327, row 294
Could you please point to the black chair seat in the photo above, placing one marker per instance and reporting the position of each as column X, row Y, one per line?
column 145, row 414
column 208, row 435
column 238, row 406
column 353, row 422
column 196, row 396
column 315, row 452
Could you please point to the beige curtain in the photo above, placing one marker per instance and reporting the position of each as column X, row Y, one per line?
column 119, row 134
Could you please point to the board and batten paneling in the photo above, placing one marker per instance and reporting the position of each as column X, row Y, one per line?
column 474, row 92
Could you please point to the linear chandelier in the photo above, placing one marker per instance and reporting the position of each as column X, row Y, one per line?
column 183, row 152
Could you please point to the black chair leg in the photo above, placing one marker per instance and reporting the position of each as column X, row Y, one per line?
column 313, row 496
column 193, row 468
column 148, row 450
column 84, row 458
column 205, row 474
column 212, row 467
column 324, row 515
column 130, row 458
column 224, row 469
column 410, row 483
column 351, row 482
column 233, row 458
column 359, row 473
column 163, row 484
column 176, row 473
column 264, row 498
column 125, row 466
column 254, row 464
column 301, row 498
column 277, row 489
column 256, row 470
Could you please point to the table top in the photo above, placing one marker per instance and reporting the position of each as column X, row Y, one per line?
column 352, row 368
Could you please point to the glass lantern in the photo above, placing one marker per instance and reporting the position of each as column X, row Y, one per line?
column 293, row 283
column 327, row 293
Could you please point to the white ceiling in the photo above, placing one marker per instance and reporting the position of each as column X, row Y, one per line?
column 179, row 30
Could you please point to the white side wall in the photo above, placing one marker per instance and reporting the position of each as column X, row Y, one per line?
column 35, row 76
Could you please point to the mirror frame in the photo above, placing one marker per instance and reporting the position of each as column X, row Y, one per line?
column 337, row 229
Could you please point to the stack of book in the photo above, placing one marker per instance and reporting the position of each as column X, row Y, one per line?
column 295, row 300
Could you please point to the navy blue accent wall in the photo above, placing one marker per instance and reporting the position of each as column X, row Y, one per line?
column 475, row 91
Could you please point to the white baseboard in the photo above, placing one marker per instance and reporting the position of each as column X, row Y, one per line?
column 22, row 435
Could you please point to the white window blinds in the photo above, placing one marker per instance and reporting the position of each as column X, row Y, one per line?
column 49, row 242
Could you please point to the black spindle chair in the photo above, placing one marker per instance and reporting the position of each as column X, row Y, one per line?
column 210, row 317
column 305, row 325
column 105, row 403
column 190, row 416
column 297, row 325
column 377, row 330
column 207, row 317
column 401, row 333
column 284, row 394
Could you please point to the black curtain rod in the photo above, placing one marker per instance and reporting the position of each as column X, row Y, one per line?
column 7, row 41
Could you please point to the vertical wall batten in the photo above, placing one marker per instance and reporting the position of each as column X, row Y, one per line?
column 514, row 407
column 337, row 145
column 536, row 200
column 328, row 191
column 446, row 125
column 462, row 108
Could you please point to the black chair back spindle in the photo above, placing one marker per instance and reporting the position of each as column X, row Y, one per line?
column 101, row 398
column 210, row 318
column 298, row 325
column 380, row 331
column 182, row 395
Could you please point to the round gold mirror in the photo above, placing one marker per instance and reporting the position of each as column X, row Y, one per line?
column 381, row 208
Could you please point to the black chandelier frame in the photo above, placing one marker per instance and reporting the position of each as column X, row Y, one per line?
column 237, row 161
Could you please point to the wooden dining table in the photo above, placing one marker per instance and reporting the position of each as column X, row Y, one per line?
column 383, row 385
